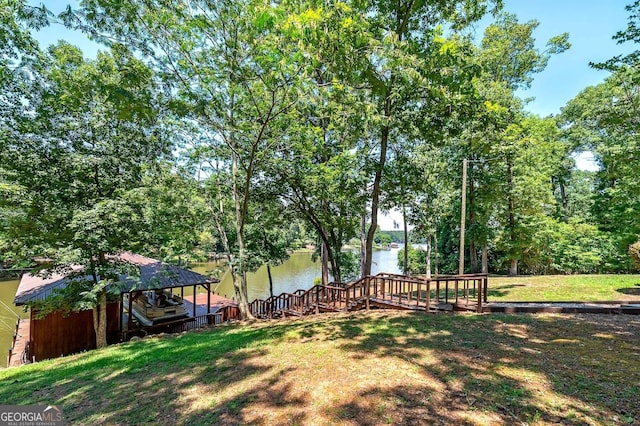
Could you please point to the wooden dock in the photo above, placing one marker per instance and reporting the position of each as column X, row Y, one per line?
column 19, row 352
column 216, row 302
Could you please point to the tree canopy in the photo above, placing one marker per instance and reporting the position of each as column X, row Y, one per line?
column 250, row 129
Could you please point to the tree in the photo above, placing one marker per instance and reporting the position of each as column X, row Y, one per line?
column 604, row 120
column 411, row 76
column 630, row 34
column 77, row 162
column 508, row 60
column 320, row 172
column 232, row 74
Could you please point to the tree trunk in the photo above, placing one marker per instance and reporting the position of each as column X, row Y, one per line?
column 513, row 268
column 406, row 240
column 325, row 262
column 100, row 320
column 240, row 285
column 375, row 192
column 565, row 204
column 270, row 279
column 363, row 242
column 429, row 256
column 473, row 256
column 436, row 265
column 485, row 259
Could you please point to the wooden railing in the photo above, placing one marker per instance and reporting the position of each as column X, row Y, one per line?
column 335, row 297
column 461, row 291
column 184, row 324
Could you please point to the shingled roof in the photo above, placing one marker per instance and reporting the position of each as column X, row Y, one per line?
column 153, row 274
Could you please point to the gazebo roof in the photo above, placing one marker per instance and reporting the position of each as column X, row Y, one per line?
column 153, row 275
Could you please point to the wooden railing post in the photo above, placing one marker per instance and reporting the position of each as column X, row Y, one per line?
column 466, row 290
column 480, row 296
column 347, row 300
column 428, row 298
column 456, row 288
column 485, row 287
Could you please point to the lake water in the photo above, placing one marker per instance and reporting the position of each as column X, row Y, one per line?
column 8, row 317
column 299, row 271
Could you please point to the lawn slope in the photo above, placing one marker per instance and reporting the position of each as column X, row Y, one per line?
column 559, row 288
column 365, row 368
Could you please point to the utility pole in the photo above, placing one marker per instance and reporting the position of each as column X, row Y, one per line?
column 463, row 215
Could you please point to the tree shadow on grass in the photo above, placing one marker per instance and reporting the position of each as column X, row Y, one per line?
column 162, row 380
column 398, row 368
column 502, row 290
column 504, row 368
column 634, row 291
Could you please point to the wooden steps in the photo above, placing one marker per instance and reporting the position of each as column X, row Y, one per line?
column 388, row 291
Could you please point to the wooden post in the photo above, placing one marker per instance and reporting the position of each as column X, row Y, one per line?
column 466, row 291
column 485, row 288
column 463, row 214
column 194, row 301
column 208, row 299
column 121, row 313
column 428, row 298
column 130, row 314
column 480, row 296
column 347, row 301
column 456, row 289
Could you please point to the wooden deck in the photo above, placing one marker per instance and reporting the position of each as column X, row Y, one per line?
column 19, row 353
column 216, row 303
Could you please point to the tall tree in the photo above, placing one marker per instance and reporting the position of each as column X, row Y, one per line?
column 76, row 162
column 233, row 74
column 410, row 75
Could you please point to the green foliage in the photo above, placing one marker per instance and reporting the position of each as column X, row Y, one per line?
column 603, row 119
column 383, row 238
column 630, row 34
column 417, row 260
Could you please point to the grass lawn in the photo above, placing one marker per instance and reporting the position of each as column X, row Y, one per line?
column 564, row 288
column 381, row 367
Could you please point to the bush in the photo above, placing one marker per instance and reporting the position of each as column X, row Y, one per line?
column 417, row 260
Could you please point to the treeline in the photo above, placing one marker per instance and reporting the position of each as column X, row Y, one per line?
column 249, row 129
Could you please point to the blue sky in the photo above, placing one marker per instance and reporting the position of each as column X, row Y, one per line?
column 590, row 24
